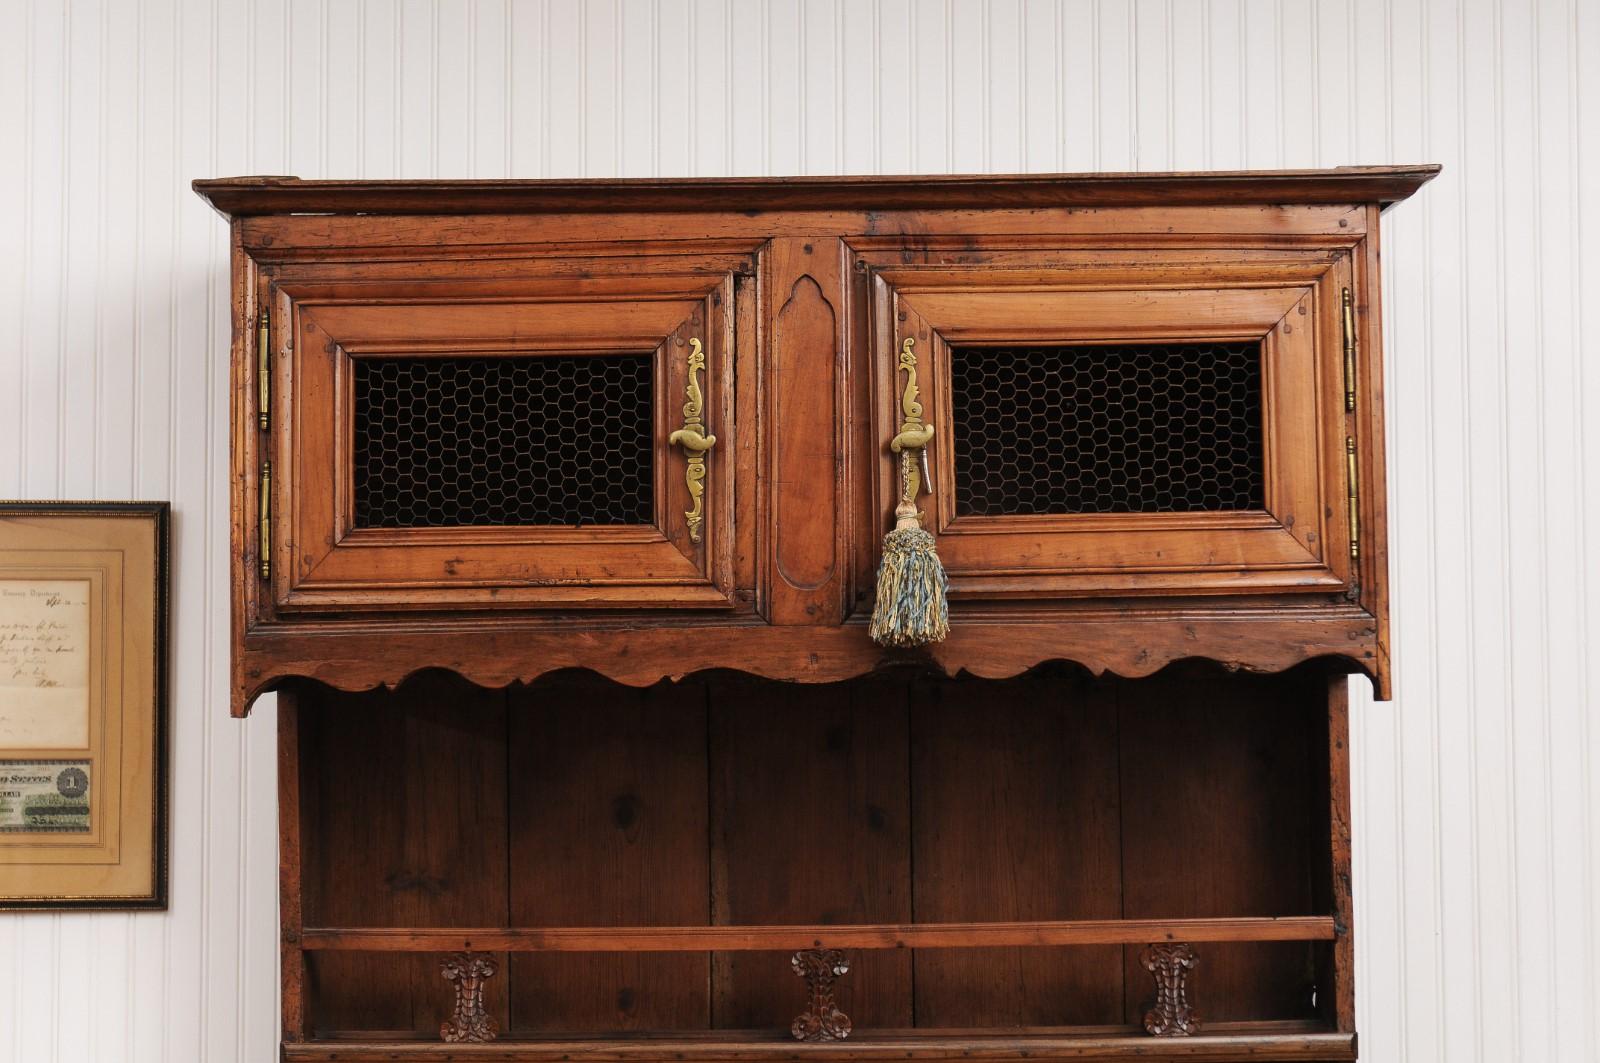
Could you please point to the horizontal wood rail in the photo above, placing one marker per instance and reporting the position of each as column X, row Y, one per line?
column 859, row 936
column 1227, row 1043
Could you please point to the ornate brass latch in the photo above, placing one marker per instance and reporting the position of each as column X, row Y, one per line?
column 913, row 435
column 694, row 441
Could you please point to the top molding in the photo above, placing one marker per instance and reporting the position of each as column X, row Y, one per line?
column 244, row 196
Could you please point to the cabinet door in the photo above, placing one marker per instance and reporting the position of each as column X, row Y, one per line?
column 1135, row 421
column 504, row 443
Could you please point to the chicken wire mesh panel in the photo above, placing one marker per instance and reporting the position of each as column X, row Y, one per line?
column 510, row 440
column 1127, row 428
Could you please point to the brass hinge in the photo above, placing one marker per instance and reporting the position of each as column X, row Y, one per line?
column 264, row 530
column 1354, row 492
column 1349, row 353
column 263, row 369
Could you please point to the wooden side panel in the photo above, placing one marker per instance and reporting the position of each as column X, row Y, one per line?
column 1014, row 817
column 1339, row 981
column 292, row 960
column 1370, row 431
column 404, row 825
column 1217, row 821
column 608, row 828
column 804, row 434
column 809, row 823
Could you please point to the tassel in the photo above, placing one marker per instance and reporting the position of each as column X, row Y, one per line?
column 911, row 608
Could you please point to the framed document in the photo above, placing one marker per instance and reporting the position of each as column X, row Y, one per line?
column 83, row 712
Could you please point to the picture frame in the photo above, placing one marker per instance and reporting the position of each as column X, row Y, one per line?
column 84, row 719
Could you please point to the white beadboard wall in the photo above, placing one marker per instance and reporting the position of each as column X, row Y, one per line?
column 1476, row 797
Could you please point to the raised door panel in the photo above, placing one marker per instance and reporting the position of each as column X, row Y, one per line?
column 505, row 444
column 1118, row 423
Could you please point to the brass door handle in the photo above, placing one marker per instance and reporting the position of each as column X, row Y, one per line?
column 692, row 437
column 913, row 436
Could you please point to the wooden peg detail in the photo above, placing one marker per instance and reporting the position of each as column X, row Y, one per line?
column 468, row 970
column 1171, row 1015
column 822, row 1020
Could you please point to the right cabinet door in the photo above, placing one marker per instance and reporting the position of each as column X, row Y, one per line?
column 1125, row 421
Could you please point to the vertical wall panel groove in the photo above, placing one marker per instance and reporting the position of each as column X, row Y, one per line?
column 1476, row 805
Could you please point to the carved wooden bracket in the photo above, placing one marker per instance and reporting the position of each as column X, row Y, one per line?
column 468, row 970
column 1170, row 964
column 822, row 1020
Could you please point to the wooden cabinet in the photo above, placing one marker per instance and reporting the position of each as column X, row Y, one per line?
column 1164, row 421
column 556, row 513
column 494, row 435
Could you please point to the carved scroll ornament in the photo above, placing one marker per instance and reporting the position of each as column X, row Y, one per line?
column 1171, row 1015
column 822, row 1020
column 471, row 1023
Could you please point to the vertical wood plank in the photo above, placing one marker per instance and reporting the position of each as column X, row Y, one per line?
column 378, row 63
column 1342, row 908
column 713, row 88
column 749, row 74
column 608, row 828
column 403, row 824
column 488, row 99
column 1261, row 74
column 292, row 959
column 563, row 99
column 820, row 122
column 933, row 85
column 860, row 88
column 1012, row 819
column 1529, row 467
column 1225, row 84
column 417, row 116
column 525, row 88
column 344, row 107
column 807, row 568
column 1487, row 476
column 306, row 86
column 1042, row 119
column 1153, row 98
column 451, row 61
column 601, row 25
column 894, row 88
column 1297, row 59
column 1078, row 85
column 1116, row 71
column 1566, row 182
column 783, row 129
column 809, row 823
column 1188, row 86
column 1215, row 819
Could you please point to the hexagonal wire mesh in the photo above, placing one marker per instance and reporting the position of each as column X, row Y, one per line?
column 1127, row 428
column 509, row 440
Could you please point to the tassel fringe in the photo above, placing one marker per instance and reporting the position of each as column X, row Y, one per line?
column 911, row 608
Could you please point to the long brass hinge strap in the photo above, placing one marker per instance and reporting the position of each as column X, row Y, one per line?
column 1349, row 352
column 264, row 529
column 1353, row 488
column 263, row 369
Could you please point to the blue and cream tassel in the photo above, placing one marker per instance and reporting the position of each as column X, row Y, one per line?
column 910, row 609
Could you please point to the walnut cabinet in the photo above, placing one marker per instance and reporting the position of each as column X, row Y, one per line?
column 556, row 512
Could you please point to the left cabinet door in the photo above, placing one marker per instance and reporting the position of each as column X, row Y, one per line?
column 494, row 443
